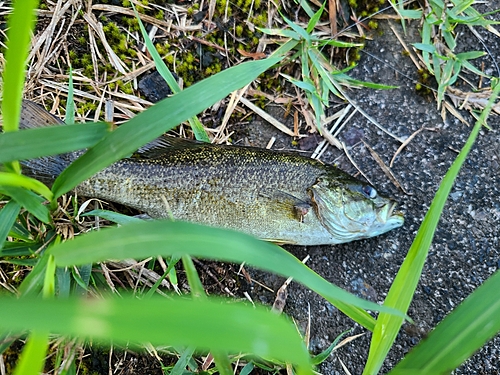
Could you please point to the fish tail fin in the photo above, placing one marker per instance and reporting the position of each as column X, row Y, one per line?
column 35, row 116
column 47, row 168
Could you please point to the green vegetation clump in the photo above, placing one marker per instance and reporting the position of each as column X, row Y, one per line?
column 366, row 9
column 191, row 61
column 423, row 83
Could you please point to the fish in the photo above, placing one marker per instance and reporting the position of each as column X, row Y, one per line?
column 276, row 196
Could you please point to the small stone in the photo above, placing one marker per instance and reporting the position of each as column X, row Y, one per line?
column 154, row 87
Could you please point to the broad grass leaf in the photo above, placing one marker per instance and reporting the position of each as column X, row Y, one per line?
column 212, row 324
column 16, row 180
column 459, row 335
column 32, row 357
column 20, row 25
column 167, row 238
column 8, row 215
column 33, row 143
column 29, row 200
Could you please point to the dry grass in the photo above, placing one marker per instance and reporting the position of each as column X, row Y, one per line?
column 65, row 24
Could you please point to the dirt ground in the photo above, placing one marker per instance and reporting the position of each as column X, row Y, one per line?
column 465, row 250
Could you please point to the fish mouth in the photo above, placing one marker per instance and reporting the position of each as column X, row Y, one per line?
column 394, row 215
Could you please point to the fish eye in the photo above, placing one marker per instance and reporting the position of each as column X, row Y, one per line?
column 369, row 191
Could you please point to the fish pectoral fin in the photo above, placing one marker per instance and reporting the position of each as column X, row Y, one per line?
column 297, row 206
column 156, row 148
column 300, row 211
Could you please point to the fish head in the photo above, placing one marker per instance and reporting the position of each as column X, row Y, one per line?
column 351, row 210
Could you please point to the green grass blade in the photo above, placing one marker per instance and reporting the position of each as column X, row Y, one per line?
column 33, row 355
column 426, row 40
column 69, row 118
column 346, row 80
column 307, row 8
column 170, row 272
column 216, row 324
column 223, row 363
column 33, row 143
column 18, row 249
column 470, row 55
column 473, row 69
column 299, row 30
column 436, row 63
column 405, row 283
column 338, row 43
column 20, row 26
column 449, row 38
column 459, row 7
column 115, row 217
column 306, row 86
column 192, row 277
column 13, row 179
column 158, row 119
column 283, row 33
column 33, row 283
column 198, row 129
column 429, row 48
column 49, row 281
column 247, row 370
column 331, row 77
column 180, row 365
column 82, row 286
column 8, row 216
column 315, row 18
column 29, row 200
column 459, row 335
column 323, row 356
column 63, row 277
column 411, row 14
column 167, row 238
column 284, row 48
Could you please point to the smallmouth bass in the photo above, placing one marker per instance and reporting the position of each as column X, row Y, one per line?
column 276, row 196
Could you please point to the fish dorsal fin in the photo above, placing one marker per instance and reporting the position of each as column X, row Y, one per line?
column 156, row 148
column 35, row 116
